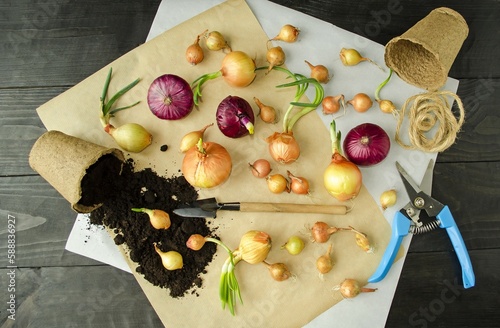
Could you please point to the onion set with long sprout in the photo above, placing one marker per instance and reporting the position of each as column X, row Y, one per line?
column 283, row 147
column 131, row 137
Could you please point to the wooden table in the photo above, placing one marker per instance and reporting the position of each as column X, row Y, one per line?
column 48, row 46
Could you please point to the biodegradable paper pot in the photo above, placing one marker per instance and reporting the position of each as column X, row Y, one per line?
column 65, row 161
column 423, row 55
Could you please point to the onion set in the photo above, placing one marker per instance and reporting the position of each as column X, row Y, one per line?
column 275, row 56
column 282, row 146
column 194, row 53
column 170, row 97
column 385, row 105
column 277, row 183
column 319, row 72
column 191, row 139
column 388, row 198
column 206, row 165
column 321, row 231
column 350, row 288
column 298, row 185
column 351, row 57
column 131, row 137
column 235, row 117
column 366, row 144
column 215, row 41
column 237, row 69
column 260, row 168
column 278, row 271
column 171, row 260
column 159, row 219
column 332, row 104
column 342, row 178
column 288, row 33
column 361, row 102
column 324, row 263
column 267, row 113
column 294, row 245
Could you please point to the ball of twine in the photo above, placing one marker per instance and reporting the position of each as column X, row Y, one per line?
column 425, row 112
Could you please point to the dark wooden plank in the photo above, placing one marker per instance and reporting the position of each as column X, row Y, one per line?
column 479, row 139
column 34, row 36
column 428, row 297
column 380, row 21
column 99, row 296
column 20, row 126
column 43, row 223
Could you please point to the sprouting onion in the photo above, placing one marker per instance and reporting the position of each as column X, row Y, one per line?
column 237, row 69
column 386, row 106
column 282, row 145
column 131, row 137
column 342, row 178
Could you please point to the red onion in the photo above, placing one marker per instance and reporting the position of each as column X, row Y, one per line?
column 170, row 97
column 235, row 117
column 366, row 144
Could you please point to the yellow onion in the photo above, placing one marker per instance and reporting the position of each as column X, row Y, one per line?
column 194, row 53
column 131, row 137
column 278, row 271
column 324, row 263
column 350, row 288
column 388, row 198
column 319, row 72
column 171, row 260
column 275, row 56
column 207, row 165
column 351, row 57
column 283, row 147
column 159, row 219
column 342, row 178
column 267, row 113
column 254, row 246
column 331, row 104
column 215, row 41
column 287, row 33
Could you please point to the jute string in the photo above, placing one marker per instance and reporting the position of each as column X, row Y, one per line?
column 424, row 112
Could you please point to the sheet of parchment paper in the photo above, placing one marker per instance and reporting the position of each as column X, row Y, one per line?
column 292, row 303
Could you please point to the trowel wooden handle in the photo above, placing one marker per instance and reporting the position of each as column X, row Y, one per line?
column 292, row 208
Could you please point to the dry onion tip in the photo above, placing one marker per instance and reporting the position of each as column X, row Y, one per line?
column 278, row 271
column 332, row 104
column 275, row 56
column 260, row 168
column 267, row 113
column 324, row 263
column 194, row 53
column 361, row 102
column 294, row 245
column 159, row 219
column 319, row 72
column 298, row 185
column 288, row 33
column 171, row 260
column 215, row 41
column 351, row 57
column 350, row 288
column 191, row 139
column 277, row 183
column 388, row 198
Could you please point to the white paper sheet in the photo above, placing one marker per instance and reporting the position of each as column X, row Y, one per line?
column 319, row 43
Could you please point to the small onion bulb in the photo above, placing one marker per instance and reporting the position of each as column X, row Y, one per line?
column 324, row 263
column 288, row 33
column 277, row 183
column 278, row 271
column 388, row 198
column 319, row 72
column 131, row 137
column 171, row 260
column 294, row 245
column 350, row 288
column 159, row 219
column 260, row 168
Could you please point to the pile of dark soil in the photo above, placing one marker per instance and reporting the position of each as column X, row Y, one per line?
column 146, row 189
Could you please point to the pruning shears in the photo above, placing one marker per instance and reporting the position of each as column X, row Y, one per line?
column 408, row 220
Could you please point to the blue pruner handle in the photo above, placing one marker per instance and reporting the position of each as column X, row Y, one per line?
column 400, row 228
column 447, row 221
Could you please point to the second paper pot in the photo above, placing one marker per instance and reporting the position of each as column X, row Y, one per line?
column 84, row 173
column 423, row 55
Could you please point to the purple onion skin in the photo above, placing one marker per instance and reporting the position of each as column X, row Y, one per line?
column 366, row 144
column 234, row 117
column 170, row 97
